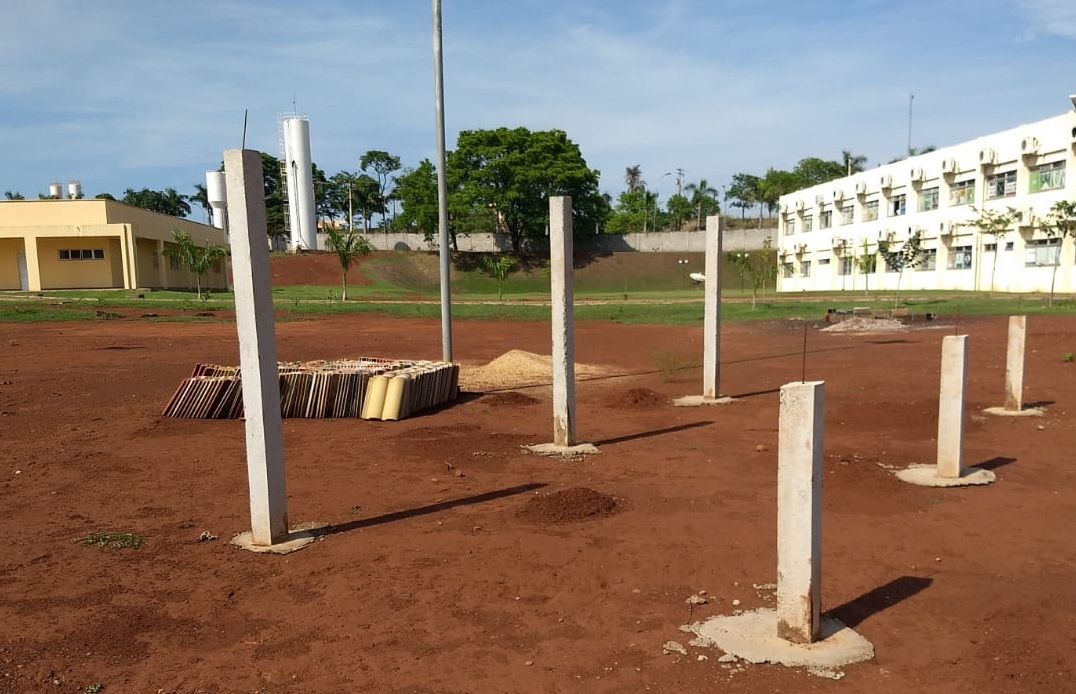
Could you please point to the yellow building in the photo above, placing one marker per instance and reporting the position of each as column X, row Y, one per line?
column 96, row 244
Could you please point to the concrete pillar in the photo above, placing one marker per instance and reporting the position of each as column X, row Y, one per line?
column 33, row 264
column 257, row 346
column 1014, row 364
column 799, row 511
column 563, row 300
column 954, row 369
column 163, row 263
column 711, row 327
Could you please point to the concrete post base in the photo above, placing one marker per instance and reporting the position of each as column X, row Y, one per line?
column 752, row 636
column 297, row 538
column 1024, row 412
column 700, row 400
column 552, row 449
column 927, row 476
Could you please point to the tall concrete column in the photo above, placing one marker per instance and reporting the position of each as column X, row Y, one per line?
column 954, row 371
column 1014, row 364
column 799, row 511
column 563, row 300
column 257, row 347
column 711, row 326
column 162, row 265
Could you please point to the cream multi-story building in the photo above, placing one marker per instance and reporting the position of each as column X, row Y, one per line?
column 825, row 228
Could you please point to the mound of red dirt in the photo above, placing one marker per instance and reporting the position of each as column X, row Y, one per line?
column 636, row 398
column 510, row 398
column 313, row 268
column 568, row 506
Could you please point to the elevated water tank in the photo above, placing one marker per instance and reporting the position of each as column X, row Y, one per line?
column 74, row 190
column 217, row 195
column 300, row 183
column 56, row 190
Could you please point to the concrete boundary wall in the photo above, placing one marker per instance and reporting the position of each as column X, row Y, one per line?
column 652, row 242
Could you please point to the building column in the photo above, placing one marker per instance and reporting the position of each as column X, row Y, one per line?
column 33, row 265
column 162, row 270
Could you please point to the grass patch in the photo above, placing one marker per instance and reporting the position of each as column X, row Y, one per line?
column 113, row 540
column 33, row 313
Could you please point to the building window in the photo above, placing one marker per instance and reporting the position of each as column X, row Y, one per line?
column 897, row 205
column 823, row 261
column 1042, row 252
column 930, row 260
column 845, row 268
column 990, row 248
column 847, row 213
column 173, row 263
column 1002, row 185
column 825, row 220
column 808, row 223
column 870, row 211
column 82, row 254
column 790, row 225
column 805, row 268
column 787, row 270
column 216, row 267
column 960, row 258
column 1008, row 245
column 928, row 199
column 1048, row 176
column 962, row 193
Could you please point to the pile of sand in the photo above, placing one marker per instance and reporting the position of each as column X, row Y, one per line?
column 860, row 324
column 515, row 369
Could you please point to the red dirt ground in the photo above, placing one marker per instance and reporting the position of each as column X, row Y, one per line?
column 435, row 577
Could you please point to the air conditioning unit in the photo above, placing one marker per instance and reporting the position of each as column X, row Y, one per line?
column 987, row 157
column 886, row 181
column 838, row 244
column 819, row 200
column 916, row 174
column 800, row 248
column 861, row 188
column 1029, row 146
column 945, row 228
column 784, row 209
column 1027, row 218
column 838, row 195
column 949, row 166
column 888, row 235
column 800, row 205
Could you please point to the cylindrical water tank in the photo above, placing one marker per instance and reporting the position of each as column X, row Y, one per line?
column 217, row 195
column 300, row 180
column 74, row 189
column 56, row 190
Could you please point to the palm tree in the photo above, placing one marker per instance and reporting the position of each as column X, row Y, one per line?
column 347, row 246
column 633, row 178
column 702, row 195
column 201, row 198
column 853, row 163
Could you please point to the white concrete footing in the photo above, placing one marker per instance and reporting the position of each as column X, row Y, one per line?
column 751, row 636
column 700, row 400
column 302, row 535
column 552, row 449
column 927, row 476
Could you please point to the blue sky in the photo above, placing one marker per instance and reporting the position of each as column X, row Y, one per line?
column 146, row 93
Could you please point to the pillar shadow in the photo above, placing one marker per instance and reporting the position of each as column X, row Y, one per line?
column 655, row 432
column 430, row 508
column 753, row 393
column 995, row 463
column 855, row 612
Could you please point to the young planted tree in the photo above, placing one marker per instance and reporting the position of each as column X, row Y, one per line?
column 1060, row 223
column 347, row 246
column 996, row 224
column 759, row 268
column 907, row 256
column 866, row 261
column 499, row 267
column 195, row 258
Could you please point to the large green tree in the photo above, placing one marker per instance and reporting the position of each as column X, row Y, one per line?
column 512, row 172
column 167, row 201
column 384, row 166
column 743, row 192
column 416, row 189
column 633, row 178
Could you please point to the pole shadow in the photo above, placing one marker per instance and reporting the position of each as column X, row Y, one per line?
column 855, row 612
column 753, row 393
column 431, row 508
column 995, row 463
column 655, row 432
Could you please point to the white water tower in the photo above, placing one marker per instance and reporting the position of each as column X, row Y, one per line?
column 74, row 190
column 56, row 190
column 217, row 196
column 299, row 183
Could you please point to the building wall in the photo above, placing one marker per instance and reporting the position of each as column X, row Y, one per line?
column 9, row 264
column 130, row 238
column 1028, row 168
